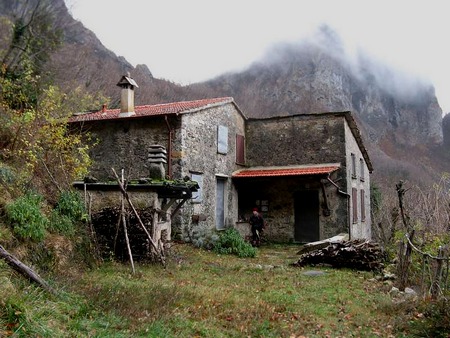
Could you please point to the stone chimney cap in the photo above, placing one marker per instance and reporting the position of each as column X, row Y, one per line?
column 127, row 80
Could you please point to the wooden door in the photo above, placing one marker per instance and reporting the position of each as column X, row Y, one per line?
column 306, row 205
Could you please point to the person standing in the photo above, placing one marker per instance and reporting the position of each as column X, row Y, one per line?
column 257, row 222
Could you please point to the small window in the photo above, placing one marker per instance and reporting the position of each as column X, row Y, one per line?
column 240, row 149
column 197, row 196
column 355, row 205
column 353, row 166
column 361, row 169
column 363, row 207
column 222, row 140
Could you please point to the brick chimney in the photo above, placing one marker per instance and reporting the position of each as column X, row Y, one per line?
column 127, row 95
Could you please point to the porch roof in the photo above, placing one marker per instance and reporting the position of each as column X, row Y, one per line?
column 311, row 169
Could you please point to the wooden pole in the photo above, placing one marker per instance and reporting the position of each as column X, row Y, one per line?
column 124, row 222
column 405, row 249
column 436, row 282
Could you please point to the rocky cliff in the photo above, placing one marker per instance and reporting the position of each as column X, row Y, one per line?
column 398, row 113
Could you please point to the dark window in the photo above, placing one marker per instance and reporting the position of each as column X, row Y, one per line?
column 353, row 166
column 363, row 207
column 355, row 205
column 240, row 149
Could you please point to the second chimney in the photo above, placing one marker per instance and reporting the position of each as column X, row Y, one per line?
column 127, row 95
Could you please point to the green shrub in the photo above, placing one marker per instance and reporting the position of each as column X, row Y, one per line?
column 204, row 237
column 71, row 205
column 6, row 174
column 26, row 218
column 68, row 212
column 230, row 242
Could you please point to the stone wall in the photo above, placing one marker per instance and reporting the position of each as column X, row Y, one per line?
column 359, row 180
column 293, row 140
column 195, row 151
column 125, row 144
column 301, row 140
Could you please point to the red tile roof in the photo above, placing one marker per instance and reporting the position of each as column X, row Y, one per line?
column 286, row 171
column 153, row 110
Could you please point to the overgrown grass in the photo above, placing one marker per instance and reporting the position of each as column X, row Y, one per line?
column 204, row 294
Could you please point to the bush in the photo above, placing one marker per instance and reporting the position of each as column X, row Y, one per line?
column 71, row 205
column 26, row 217
column 203, row 237
column 68, row 212
column 230, row 242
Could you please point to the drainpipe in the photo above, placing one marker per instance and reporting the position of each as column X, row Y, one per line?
column 169, row 149
column 348, row 204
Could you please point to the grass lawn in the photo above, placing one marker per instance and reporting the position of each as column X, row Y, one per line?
column 202, row 294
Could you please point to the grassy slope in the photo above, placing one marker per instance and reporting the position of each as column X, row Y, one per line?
column 202, row 294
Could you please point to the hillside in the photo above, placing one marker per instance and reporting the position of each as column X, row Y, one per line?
column 398, row 114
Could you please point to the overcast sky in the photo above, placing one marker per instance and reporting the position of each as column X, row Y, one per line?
column 187, row 41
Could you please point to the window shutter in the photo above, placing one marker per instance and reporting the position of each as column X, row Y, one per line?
column 355, row 205
column 363, row 207
column 240, row 149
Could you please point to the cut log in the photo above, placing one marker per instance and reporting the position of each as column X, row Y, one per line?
column 308, row 247
column 355, row 254
column 24, row 270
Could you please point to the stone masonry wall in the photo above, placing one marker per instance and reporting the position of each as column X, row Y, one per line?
column 293, row 140
column 196, row 151
column 125, row 144
column 360, row 180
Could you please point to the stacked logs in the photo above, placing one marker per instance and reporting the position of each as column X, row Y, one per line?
column 358, row 254
column 110, row 235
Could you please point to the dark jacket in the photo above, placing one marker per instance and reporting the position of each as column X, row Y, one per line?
column 256, row 221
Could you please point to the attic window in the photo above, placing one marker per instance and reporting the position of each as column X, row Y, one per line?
column 222, row 140
column 361, row 169
column 353, row 166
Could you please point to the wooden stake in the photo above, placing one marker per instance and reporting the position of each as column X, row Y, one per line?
column 124, row 222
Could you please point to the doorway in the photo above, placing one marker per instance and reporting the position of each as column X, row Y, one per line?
column 306, row 213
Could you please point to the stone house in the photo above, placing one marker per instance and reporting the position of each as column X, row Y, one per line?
column 308, row 174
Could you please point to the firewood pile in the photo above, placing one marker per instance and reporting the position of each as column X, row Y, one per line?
column 110, row 235
column 358, row 254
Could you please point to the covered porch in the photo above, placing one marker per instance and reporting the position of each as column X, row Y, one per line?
column 300, row 204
